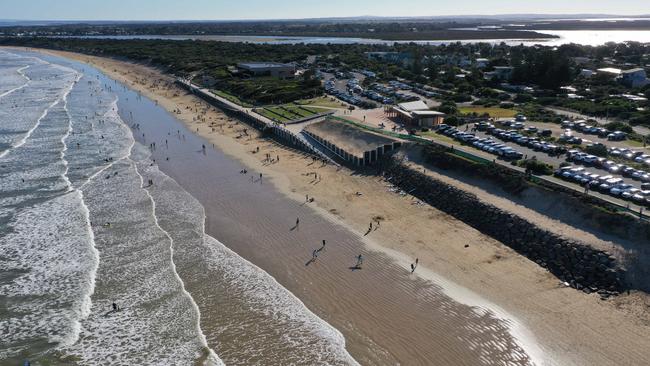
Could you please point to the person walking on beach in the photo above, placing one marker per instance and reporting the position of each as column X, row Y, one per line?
column 314, row 254
column 322, row 247
column 359, row 261
column 297, row 222
column 414, row 266
column 260, row 178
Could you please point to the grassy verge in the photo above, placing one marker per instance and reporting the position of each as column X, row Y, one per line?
column 494, row 112
column 438, row 137
column 327, row 102
column 232, row 98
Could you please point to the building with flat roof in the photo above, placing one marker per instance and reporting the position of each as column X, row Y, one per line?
column 352, row 144
column 274, row 69
column 609, row 71
column 416, row 113
column 499, row 73
column 633, row 78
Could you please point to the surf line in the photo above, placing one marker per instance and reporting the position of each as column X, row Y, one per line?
column 338, row 337
column 126, row 155
column 85, row 308
column 204, row 341
column 20, row 71
column 38, row 122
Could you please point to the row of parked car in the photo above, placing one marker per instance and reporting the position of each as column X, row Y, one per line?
column 393, row 92
column 485, row 144
column 534, row 143
column 331, row 89
column 636, row 156
column 613, row 167
column 607, row 184
column 370, row 94
column 583, row 127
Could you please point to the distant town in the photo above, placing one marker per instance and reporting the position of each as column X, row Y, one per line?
column 575, row 112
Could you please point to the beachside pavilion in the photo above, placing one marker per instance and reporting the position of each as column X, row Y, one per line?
column 350, row 143
column 417, row 114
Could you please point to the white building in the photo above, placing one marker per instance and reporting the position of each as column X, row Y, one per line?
column 416, row 113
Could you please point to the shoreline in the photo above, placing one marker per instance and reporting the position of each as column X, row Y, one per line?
column 455, row 263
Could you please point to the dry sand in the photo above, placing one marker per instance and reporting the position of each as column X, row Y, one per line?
column 569, row 326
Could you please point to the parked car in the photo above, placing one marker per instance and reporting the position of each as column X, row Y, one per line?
column 618, row 189
column 609, row 184
column 617, row 136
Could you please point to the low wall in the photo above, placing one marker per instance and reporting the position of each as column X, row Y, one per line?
column 576, row 263
column 285, row 136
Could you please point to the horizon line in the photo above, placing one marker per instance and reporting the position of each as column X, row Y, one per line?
column 351, row 17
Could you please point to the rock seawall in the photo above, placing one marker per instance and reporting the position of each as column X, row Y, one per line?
column 581, row 266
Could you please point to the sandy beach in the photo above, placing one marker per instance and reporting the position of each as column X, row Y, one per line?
column 565, row 326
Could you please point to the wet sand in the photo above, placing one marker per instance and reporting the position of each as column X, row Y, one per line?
column 387, row 315
column 406, row 317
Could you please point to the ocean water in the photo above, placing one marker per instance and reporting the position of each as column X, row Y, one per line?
column 82, row 228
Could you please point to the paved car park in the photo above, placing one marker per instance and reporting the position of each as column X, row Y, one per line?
column 589, row 172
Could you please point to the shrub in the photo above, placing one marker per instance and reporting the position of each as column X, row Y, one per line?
column 536, row 167
column 451, row 120
column 619, row 126
column 597, row 149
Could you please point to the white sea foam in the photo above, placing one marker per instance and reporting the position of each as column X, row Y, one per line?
column 157, row 335
column 69, row 270
column 204, row 342
column 27, row 135
column 47, row 252
column 312, row 339
column 20, row 71
column 86, row 303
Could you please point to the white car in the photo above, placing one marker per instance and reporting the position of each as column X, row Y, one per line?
column 629, row 193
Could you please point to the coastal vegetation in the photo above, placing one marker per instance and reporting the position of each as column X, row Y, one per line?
column 538, row 73
column 387, row 30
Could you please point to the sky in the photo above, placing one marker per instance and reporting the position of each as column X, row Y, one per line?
column 291, row 9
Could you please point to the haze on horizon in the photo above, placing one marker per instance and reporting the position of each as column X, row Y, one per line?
column 125, row 10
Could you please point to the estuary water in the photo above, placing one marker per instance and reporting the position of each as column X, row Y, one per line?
column 582, row 37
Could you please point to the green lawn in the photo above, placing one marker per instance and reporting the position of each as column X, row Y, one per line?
column 232, row 98
column 327, row 102
column 494, row 112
